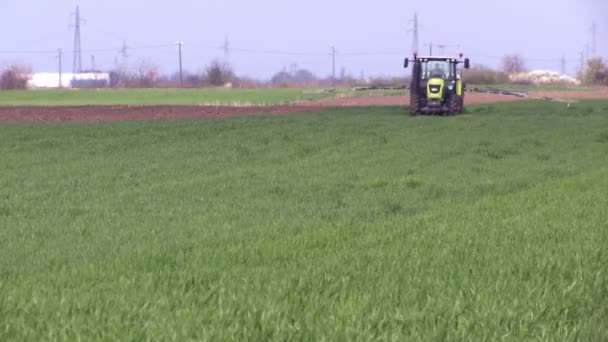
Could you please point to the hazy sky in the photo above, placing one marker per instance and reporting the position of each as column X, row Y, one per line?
column 370, row 36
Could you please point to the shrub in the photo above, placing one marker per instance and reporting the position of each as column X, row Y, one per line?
column 484, row 75
column 596, row 72
column 544, row 78
column 301, row 77
column 513, row 64
column 15, row 77
column 146, row 73
column 219, row 74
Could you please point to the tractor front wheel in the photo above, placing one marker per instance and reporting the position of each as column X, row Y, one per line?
column 456, row 105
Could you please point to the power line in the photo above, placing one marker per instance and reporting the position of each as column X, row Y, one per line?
column 334, row 53
column 533, row 59
column 372, row 53
column 275, row 52
column 123, row 50
column 150, row 47
column 442, row 47
column 28, row 52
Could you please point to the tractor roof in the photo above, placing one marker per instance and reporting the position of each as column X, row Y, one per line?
column 438, row 58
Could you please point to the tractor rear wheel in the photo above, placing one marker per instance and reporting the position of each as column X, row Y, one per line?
column 414, row 104
column 456, row 104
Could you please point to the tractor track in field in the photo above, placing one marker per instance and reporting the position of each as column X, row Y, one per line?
column 147, row 113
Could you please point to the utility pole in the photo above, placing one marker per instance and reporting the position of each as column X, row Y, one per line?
column 60, row 58
column 181, row 72
column 415, row 32
column 431, row 49
column 563, row 64
column 333, row 65
column 124, row 52
column 93, row 67
column 77, row 65
column 593, row 38
column 226, row 48
column 582, row 64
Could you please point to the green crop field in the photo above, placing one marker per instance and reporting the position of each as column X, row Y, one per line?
column 349, row 224
column 192, row 97
column 196, row 97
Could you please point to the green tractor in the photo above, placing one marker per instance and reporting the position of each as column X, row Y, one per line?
column 437, row 87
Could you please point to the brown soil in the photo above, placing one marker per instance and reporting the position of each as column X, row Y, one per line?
column 131, row 113
column 472, row 98
column 572, row 95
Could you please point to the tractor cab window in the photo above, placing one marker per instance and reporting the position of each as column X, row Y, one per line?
column 437, row 69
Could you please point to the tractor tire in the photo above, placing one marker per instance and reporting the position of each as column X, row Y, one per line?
column 414, row 104
column 456, row 104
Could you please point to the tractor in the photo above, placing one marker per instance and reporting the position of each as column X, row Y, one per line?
column 437, row 87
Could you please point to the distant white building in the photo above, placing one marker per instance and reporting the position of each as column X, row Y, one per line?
column 69, row 80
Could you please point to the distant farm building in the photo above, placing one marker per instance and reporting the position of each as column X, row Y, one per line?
column 69, row 80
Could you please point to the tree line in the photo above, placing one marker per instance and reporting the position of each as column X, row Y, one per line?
column 145, row 74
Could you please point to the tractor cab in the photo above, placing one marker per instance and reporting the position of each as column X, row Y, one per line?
column 436, row 87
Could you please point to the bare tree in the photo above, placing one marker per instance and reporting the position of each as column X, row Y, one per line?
column 15, row 77
column 513, row 64
column 219, row 74
column 596, row 72
column 480, row 74
column 146, row 73
column 296, row 77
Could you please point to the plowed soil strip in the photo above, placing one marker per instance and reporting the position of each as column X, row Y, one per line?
column 135, row 113
column 472, row 98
